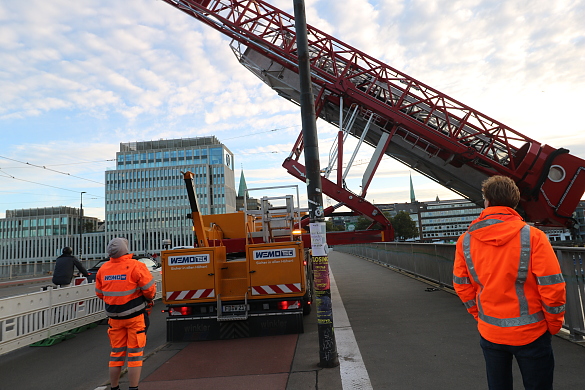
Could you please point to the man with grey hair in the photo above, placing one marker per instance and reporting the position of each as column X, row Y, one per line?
column 508, row 277
column 127, row 288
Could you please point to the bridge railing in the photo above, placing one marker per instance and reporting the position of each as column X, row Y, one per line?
column 27, row 319
column 434, row 262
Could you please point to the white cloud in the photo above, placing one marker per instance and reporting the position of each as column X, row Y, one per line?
column 110, row 71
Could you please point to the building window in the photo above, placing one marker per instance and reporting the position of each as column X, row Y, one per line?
column 216, row 156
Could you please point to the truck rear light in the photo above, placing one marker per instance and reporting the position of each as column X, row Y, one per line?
column 289, row 305
column 180, row 311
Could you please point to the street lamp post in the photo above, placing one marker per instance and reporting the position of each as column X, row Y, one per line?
column 81, row 226
column 327, row 347
column 144, row 233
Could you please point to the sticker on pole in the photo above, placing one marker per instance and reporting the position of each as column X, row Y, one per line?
column 318, row 238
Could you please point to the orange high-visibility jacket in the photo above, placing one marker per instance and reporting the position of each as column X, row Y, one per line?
column 508, row 277
column 125, row 285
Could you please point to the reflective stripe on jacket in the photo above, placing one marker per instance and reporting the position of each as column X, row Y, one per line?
column 508, row 277
column 124, row 284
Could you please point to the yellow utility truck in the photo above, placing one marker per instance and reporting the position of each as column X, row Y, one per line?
column 248, row 275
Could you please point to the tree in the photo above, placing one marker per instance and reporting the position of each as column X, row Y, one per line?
column 331, row 227
column 362, row 223
column 88, row 227
column 404, row 226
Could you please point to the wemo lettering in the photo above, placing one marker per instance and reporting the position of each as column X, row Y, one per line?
column 188, row 259
column 274, row 254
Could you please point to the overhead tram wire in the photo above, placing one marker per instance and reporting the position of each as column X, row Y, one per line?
column 261, row 132
column 42, row 184
column 49, row 169
column 74, row 163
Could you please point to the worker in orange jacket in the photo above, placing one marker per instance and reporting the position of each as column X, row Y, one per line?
column 508, row 277
column 127, row 288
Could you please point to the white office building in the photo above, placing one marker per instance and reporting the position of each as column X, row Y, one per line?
column 39, row 235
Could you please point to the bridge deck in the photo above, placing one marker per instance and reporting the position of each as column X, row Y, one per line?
column 409, row 335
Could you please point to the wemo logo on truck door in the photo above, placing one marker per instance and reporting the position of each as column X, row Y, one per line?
column 270, row 254
column 189, row 259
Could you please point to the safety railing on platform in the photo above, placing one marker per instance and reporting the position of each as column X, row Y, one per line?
column 434, row 262
column 27, row 319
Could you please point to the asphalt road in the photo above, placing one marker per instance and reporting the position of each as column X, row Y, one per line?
column 13, row 288
column 80, row 363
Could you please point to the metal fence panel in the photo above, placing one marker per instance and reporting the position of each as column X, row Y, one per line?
column 26, row 319
column 434, row 262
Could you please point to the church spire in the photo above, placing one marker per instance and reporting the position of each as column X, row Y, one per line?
column 412, row 197
column 243, row 187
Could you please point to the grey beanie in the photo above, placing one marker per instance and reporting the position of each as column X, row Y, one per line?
column 118, row 247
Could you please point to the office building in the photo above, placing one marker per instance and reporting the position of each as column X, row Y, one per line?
column 446, row 220
column 39, row 235
column 146, row 199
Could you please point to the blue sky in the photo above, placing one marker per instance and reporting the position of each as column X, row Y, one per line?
column 77, row 78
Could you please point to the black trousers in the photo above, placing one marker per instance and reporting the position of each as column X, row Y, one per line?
column 536, row 361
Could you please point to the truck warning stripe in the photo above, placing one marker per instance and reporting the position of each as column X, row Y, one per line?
column 276, row 289
column 190, row 294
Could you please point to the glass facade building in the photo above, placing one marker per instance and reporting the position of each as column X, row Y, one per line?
column 146, row 199
column 41, row 234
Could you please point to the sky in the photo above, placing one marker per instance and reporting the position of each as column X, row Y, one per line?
column 77, row 78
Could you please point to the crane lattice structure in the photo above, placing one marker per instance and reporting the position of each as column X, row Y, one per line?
column 399, row 116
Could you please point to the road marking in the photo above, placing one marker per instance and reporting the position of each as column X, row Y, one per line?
column 351, row 365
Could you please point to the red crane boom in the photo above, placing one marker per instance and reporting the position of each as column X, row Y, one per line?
column 425, row 129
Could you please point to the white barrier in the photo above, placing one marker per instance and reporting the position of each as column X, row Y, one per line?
column 26, row 319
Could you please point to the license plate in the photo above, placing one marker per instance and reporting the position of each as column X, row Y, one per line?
column 230, row 308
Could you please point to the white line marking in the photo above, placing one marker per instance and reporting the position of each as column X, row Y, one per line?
column 351, row 365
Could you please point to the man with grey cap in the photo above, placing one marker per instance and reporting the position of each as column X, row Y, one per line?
column 127, row 288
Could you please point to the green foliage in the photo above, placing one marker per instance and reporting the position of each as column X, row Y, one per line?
column 88, row 227
column 404, row 226
column 362, row 223
column 330, row 227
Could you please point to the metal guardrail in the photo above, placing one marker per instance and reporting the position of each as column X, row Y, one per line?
column 434, row 262
column 26, row 319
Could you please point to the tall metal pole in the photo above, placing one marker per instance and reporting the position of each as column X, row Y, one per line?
column 144, row 233
column 327, row 346
column 81, row 226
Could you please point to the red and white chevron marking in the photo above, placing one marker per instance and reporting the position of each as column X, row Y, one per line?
column 190, row 294
column 276, row 289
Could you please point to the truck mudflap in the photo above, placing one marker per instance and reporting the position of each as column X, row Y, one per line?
column 209, row 328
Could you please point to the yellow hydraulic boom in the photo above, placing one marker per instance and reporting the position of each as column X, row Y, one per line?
column 195, row 214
